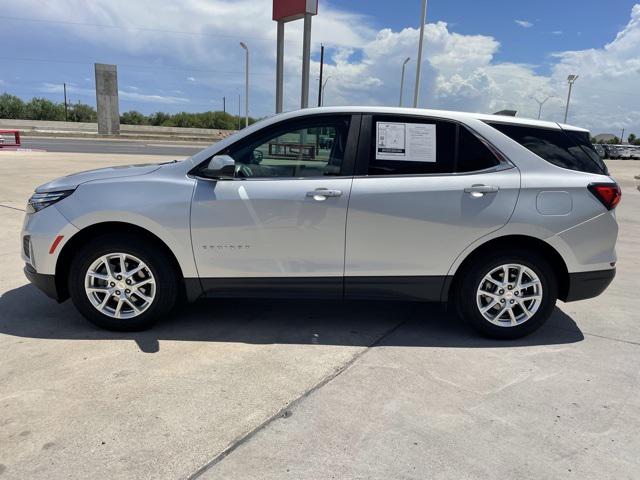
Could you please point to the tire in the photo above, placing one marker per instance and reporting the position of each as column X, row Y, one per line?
column 530, row 314
column 157, row 282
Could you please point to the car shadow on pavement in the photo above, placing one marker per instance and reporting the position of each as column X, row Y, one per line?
column 26, row 312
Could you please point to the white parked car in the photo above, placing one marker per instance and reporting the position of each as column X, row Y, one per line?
column 498, row 216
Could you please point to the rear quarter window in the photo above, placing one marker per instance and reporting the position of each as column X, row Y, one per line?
column 563, row 148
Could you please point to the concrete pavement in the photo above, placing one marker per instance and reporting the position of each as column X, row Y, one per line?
column 267, row 389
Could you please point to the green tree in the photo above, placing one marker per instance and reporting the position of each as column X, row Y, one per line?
column 81, row 112
column 631, row 138
column 614, row 141
column 133, row 117
column 43, row 109
column 11, row 107
column 159, row 119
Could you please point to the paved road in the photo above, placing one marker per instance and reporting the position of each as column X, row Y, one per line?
column 130, row 147
column 271, row 390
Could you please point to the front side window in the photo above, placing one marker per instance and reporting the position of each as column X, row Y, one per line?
column 314, row 148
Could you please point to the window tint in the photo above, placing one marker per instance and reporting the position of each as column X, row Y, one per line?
column 559, row 147
column 312, row 148
column 445, row 150
column 473, row 154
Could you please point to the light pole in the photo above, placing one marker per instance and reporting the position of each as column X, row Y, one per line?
column 416, row 94
column 571, row 79
column 540, row 104
column 246, row 85
column 324, row 86
column 404, row 64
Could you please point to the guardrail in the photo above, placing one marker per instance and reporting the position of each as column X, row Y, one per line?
column 79, row 129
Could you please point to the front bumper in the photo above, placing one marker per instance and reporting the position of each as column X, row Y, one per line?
column 46, row 283
column 585, row 285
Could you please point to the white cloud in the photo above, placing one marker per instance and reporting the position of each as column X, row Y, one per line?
column 557, row 32
column 460, row 72
column 524, row 23
column 191, row 79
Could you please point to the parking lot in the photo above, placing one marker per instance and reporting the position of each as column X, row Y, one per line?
column 312, row 390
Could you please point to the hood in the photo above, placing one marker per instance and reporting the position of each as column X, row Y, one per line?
column 75, row 179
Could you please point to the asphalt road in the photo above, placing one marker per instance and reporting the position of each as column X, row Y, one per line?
column 129, row 147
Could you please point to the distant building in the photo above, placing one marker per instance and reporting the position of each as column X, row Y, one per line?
column 604, row 137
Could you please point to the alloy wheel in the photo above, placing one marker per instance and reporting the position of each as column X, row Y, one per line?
column 509, row 295
column 120, row 285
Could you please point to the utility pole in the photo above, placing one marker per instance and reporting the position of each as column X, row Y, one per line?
column 65, row 102
column 306, row 60
column 324, row 87
column 622, row 136
column 423, row 16
column 246, row 84
column 238, row 111
column 320, row 79
column 224, row 104
column 404, row 64
column 571, row 79
column 540, row 104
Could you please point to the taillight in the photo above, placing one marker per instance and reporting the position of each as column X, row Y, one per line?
column 609, row 194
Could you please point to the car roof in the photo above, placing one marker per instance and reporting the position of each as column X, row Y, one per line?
column 450, row 114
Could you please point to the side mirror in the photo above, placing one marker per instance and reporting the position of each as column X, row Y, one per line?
column 221, row 167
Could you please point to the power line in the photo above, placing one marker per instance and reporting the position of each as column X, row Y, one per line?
column 133, row 66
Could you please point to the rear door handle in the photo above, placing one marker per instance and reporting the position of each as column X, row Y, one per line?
column 479, row 190
column 323, row 193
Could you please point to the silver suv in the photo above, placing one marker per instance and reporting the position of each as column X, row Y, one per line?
column 497, row 216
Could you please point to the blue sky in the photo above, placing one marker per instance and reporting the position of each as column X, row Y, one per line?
column 481, row 55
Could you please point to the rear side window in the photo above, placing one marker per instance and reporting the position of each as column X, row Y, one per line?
column 562, row 148
column 473, row 154
column 410, row 140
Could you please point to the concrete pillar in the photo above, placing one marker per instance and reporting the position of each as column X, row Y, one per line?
column 107, row 99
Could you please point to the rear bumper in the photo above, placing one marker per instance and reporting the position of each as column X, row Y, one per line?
column 588, row 284
column 46, row 283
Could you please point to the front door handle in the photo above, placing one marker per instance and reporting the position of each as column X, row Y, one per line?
column 321, row 194
column 479, row 190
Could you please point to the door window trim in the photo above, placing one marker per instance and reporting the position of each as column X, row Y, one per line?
column 364, row 149
column 350, row 151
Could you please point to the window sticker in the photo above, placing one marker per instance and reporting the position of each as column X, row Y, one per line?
column 414, row 142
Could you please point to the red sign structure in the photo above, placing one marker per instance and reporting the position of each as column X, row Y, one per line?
column 16, row 139
column 288, row 10
column 285, row 11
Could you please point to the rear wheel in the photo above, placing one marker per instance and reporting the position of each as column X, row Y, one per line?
column 118, row 283
column 508, row 295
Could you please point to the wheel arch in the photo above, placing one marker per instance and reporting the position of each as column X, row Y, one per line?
column 522, row 242
column 63, row 264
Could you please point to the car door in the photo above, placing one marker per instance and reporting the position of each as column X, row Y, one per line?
column 418, row 201
column 278, row 227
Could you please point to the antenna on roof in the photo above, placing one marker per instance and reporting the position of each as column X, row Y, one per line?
column 507, row 113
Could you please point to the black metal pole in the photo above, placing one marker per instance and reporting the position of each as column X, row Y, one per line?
column 320, row 80
column 65, row 102
column 224, row 104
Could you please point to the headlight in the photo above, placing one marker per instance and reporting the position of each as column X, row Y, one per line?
column 38, row 201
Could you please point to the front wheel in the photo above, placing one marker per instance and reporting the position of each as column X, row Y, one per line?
column 508, row 295
column 119, row 282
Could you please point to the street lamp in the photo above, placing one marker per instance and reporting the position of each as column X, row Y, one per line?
column 324, row 87
column 570, row 79
column 419, row 61
column 404, row 64
column 246, row 85
column 540, row 104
